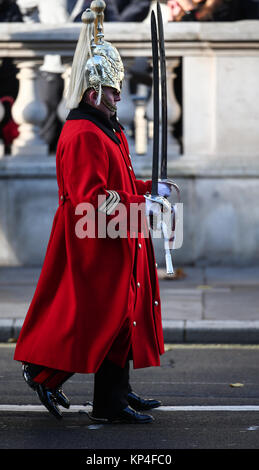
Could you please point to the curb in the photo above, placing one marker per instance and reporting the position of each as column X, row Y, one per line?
column 10, row 329
column 175, row 331
column 211, row 331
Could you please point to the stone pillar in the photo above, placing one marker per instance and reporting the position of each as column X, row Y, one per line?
column 236, row 108
column 173, row 108
column 141, row 160
column 140, row 121
column 173, row 111
column 220, row 111
column 2, row 113
column 29, row 112
column 199, row 104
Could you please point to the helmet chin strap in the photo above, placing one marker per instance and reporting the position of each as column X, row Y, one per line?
column 108, row 104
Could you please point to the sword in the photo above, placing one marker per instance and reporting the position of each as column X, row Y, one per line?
column 163, row 93
column 163, row 168
column 154, row 191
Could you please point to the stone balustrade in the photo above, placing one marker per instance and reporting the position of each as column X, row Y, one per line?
column 29, row 45
column 220, row 91
column 216, row 163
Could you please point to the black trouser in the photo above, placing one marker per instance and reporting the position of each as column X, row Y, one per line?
column 111, row 388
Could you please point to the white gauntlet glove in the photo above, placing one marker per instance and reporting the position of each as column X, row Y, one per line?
column 160, row 207
column 164, row 189
column 156, row 204
column 164, row 213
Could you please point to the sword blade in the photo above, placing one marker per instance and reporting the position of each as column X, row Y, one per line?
column 163, row 93
column 154, row 190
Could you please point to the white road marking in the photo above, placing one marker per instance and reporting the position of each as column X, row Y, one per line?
column 169, row 346
column 80, row 408
column 209, row 408
column 40, row 408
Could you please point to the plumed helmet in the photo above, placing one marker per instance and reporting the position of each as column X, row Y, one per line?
column 96, row 62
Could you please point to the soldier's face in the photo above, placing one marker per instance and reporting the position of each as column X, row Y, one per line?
column 110, row 97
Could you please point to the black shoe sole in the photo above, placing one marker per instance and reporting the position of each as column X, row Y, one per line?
column 118, row 421
column 121, row 420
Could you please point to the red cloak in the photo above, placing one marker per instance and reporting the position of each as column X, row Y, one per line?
column 95, row 296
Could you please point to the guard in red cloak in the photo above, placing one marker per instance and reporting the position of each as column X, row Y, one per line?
column 97, row 303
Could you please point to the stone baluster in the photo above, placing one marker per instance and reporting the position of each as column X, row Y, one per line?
column 2, row 113
column 150, row 122
column 173, row 108
column 173, row 112
column 141, row 121
column 29, row 112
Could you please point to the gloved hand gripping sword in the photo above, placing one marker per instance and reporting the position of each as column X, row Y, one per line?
column 167, row 225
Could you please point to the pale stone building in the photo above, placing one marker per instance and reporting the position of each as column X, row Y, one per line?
column 216, row 166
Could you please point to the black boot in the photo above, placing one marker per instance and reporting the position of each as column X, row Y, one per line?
column 61, row 398
column 126, row 416
column 48, row 400
column 27, row 377
column 58, row 393
column 142, row 404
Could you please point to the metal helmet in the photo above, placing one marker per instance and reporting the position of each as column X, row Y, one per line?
column 96, row 62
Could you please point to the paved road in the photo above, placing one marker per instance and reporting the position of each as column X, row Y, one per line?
column 219, row 383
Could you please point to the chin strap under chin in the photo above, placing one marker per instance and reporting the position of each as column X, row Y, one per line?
column 107, row 103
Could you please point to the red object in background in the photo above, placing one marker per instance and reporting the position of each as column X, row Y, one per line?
column 9, row 128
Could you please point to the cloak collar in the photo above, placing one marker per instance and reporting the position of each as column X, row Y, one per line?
column 88, row 112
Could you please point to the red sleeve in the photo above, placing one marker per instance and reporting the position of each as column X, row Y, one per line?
column 143, row 187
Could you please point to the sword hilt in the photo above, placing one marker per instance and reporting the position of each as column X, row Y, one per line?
column 169, row 263
column 172, row 183
column 168, row 257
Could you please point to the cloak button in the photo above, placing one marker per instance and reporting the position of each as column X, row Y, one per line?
column 139, row 245
column 130, row 168
column 138, row 284
column 134, row 323
column 156, row 303
column 156, row 265
column 61, row 197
